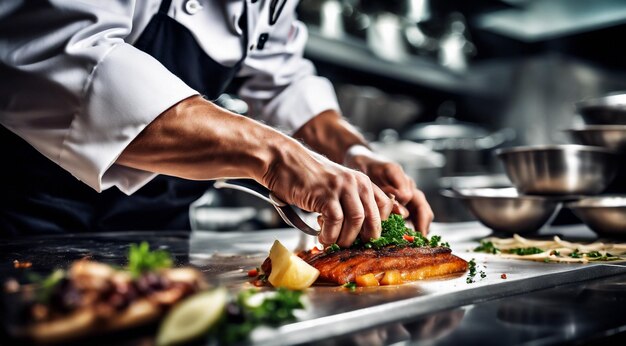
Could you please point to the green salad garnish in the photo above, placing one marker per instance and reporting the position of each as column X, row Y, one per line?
column 244, row 315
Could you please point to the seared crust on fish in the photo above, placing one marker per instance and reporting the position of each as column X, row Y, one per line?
column 413, row 263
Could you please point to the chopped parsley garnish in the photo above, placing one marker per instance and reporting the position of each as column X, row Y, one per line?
column 576, row 254
column 524, row 251
column 332, row 248
column 471, row 275
column 141, row 259
column 598, row 256
column 594, row 254
column 472, row 271
column 395, row 232
column 434, row 241
column 350, row 286
column 242, row 316
column 487, row 246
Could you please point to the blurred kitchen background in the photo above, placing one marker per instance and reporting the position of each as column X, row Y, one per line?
column 439, row 85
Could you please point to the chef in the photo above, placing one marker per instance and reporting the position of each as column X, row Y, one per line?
column 108, row 124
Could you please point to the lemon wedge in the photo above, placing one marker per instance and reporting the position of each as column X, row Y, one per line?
column 192, row 317
column 289, row 270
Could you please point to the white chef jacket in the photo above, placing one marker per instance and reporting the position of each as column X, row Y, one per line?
column 73, row 85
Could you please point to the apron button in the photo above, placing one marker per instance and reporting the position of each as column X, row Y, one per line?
column 192, row 7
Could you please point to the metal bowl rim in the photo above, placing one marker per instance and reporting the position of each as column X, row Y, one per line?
column 606, row 101
column 594, row 202
column 453, row 193
column 553, row 147
column 596, row 128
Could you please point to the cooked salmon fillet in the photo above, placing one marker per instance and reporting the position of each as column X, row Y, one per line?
column 413, row 263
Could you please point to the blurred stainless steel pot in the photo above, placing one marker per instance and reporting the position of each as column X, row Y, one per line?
column 606, row 110
column 608, row 136
column 604, row 215
column 504, row 210
column 559, row 169
column 455, row 210
column 467, row 146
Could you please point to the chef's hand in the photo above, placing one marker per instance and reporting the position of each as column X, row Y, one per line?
column 349, row 203
column 328, row 133
column 197, row 140
column 390, row 177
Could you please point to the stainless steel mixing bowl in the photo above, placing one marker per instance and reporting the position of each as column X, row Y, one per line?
column 566, row 169
column 608, row 136
column 607, row 110
column 604, row 215
column 504, row 210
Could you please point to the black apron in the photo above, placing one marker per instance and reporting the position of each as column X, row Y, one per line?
column 39, row 197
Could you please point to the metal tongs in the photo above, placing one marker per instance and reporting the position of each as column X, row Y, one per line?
column 292, row 215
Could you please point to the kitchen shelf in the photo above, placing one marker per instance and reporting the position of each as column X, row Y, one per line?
column 536, row 21
column 353, row 53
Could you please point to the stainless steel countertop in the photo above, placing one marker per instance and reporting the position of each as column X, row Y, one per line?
column 538, row 303
column 333, row 311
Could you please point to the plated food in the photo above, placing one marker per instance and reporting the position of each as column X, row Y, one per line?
column 400, row 255
column 93, row 298
column 555, row 250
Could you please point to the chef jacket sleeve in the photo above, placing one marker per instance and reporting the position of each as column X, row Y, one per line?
column 73, row 89
column 282, row 88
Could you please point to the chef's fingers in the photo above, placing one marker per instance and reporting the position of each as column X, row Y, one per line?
column 398, row 183
column 353, row 216
column 373, row 214
column 383, row 201
column 403, row 193
column 421, row 213
column 400, row 210
column 331, row 222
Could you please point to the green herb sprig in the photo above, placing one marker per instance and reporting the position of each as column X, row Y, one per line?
column 141, row 259
column 487, row 246
column 351, row 286
column 46, row 285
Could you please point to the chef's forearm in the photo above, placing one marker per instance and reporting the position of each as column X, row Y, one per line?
column 329, row 134
column 197, row 140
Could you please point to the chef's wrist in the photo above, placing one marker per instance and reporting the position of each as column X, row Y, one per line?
column 329, row 134
column 354, row 151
